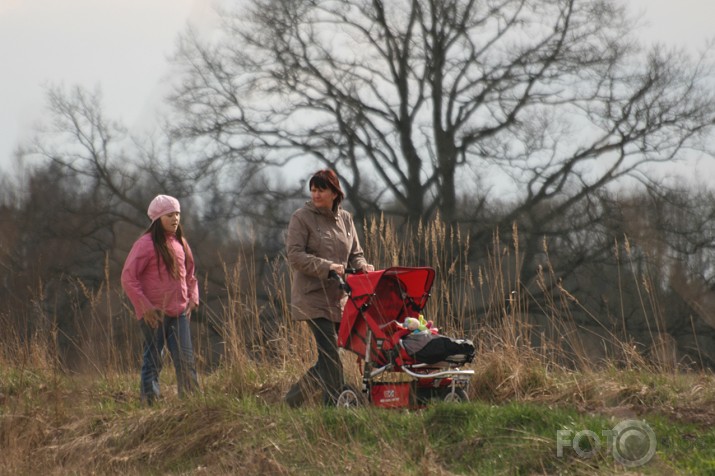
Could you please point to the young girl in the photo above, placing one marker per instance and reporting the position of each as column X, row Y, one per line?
column 158, row 277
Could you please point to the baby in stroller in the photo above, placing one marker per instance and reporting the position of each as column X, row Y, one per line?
column 426, row 345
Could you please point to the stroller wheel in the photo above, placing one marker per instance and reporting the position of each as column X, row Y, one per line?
column 349, row 398
column 458, row 395
column 427, row 394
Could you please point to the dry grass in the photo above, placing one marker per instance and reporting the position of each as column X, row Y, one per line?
column 90, row 421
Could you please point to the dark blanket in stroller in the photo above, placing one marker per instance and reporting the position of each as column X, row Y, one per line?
column 430, row 348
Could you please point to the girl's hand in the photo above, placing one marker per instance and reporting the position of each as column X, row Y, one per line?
column 152, row 318
column 190, row 308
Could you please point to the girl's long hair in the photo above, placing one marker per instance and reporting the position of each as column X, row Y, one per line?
column 158, row 237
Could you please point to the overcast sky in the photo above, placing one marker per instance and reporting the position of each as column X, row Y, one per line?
column 122, row 47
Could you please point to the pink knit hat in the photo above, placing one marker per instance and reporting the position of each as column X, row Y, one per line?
column 161, row 205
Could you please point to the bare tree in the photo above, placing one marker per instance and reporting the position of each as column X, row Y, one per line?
column 415, row 102
column 488, row 112
column 121, row 172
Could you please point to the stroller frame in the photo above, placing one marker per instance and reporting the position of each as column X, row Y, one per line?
column 378, row 302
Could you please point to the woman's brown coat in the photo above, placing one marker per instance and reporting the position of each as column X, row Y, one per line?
column 316, row 238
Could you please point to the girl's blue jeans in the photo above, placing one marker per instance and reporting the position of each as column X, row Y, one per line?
column 175, row 333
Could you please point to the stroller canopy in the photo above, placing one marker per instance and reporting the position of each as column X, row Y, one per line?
column 385, row 295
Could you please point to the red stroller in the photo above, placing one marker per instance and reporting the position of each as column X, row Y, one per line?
column 372, row 328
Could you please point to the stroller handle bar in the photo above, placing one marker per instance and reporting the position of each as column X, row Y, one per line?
column 341, row 281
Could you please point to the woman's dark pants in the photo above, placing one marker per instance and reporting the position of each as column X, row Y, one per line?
column 327, row 373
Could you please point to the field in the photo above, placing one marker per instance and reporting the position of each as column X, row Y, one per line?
column 548, row 409
column 522, row 419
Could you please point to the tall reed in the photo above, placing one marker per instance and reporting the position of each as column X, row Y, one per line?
column 247, row 319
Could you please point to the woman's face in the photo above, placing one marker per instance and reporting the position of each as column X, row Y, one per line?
column 322, row 197
column 170, row 222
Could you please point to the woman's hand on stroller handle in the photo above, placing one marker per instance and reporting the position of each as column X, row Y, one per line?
column 333, row 274
column 341, row 270
column 338, row 271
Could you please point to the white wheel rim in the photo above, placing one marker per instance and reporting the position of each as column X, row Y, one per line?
column 452, row 397
column 456, row 395
column 347, row 399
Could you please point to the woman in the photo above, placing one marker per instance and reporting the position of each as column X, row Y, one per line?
column 321, row 238
column 158, row 277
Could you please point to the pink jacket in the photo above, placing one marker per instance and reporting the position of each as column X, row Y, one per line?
column 148, row 284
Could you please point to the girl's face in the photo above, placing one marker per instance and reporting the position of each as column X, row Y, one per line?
column 322, row 197
column 170, row 222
